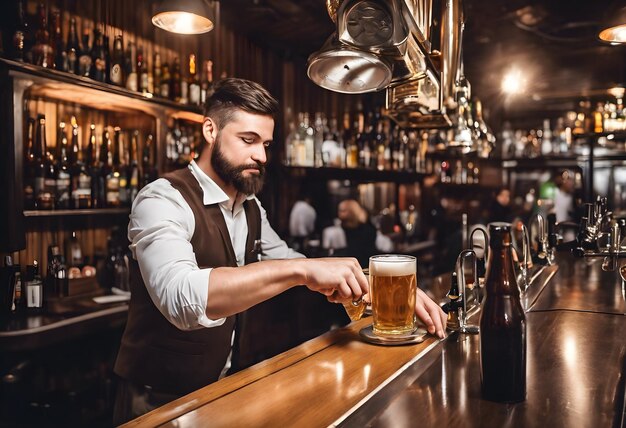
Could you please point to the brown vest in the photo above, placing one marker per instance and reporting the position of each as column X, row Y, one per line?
column 153, row 351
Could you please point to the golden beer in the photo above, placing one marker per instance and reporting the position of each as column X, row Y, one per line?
column 392, row 287
column 355, row 311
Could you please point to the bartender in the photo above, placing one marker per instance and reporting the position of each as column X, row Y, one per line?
column 195, row 236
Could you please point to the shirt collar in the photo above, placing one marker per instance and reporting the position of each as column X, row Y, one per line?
column 212, row 192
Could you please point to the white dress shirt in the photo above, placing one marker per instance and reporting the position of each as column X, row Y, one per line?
column 302, row 220
column 160, row 230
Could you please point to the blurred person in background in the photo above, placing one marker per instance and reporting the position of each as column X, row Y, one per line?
column 301, row 222
column 500, row 207
column 564, row 197
column 356, row 232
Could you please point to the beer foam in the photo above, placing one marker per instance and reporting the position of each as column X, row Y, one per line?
column 392, row 266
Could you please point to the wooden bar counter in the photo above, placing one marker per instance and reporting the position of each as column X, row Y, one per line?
column 575, row 375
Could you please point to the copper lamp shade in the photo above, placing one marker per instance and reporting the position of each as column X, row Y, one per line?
column 183, row 16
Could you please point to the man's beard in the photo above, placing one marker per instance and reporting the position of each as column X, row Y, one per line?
column 232, row 174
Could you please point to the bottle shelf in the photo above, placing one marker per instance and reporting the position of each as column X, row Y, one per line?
column 356, row 174
column 80, row 212
column 620, row 135
column 58, row 85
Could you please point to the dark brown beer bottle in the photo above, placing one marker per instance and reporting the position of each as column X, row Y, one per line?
column 502, row 324
column 43, row 52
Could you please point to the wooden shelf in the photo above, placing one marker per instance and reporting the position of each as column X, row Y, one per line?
column 618, row 134
column 356, row 174
column 67, row 87
column 83, row 212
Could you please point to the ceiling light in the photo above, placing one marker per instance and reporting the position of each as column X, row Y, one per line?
column 184, row 16
column 614, row 27
column 513, row 82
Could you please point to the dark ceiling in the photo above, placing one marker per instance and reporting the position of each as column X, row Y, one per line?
column 552, row 42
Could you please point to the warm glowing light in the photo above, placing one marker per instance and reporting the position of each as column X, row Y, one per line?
column 614, row 35
column 513, row 82
column 182, row 22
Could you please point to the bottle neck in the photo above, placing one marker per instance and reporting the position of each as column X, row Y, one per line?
column 501, row 278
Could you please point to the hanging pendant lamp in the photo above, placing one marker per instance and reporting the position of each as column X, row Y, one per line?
column 184, row 16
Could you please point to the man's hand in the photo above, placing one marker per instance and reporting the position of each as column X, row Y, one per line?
column 430, row 314
column 339, row 279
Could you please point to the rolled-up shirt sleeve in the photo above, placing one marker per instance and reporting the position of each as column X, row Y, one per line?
column 160, row 230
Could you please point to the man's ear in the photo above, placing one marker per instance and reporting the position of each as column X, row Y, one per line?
column 209, row 130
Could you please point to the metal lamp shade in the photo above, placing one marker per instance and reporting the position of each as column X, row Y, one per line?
column 614, row 28
column 341, row 68
column 183, row 16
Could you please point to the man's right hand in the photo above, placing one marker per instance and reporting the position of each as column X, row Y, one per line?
column 339, row 279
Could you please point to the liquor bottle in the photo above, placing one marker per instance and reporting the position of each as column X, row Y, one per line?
column 132, row 173
column 85, row 63
column 73, row 48
column 502, row 324
column 352, row 150
column 81, row 180
column 194, row 82
column 362, row 140
column 60, row 58
column 34, row 287
column 305, row 150
column 106, row 47
column 56, row 279
column 114, row 183
column 206, row 89
column 122, row 155
column 102, row 169
column 147, row 169
column 116, row 75
column 380, row 147
column 166, row 81
column 92, row 168
column 455, row 303
column 20, row 35
column 131, row 66
column 290, row 141
column 44, row 183
column 63, row 179
column 483, row 134
column 29, row 173
column 73, row 251
column 318, row 140
column 184, row 87
column 142, row 72
column 176, row 92
column 98, row 58
column 157, row 73
column 43, row 53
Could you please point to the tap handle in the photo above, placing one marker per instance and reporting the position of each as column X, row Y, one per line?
column 552, row 236
column 482, row 261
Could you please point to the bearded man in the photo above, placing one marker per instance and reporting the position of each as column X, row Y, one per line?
column 196, row 235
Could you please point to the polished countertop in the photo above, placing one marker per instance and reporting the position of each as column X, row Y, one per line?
column 575, row 373
column 61, row 320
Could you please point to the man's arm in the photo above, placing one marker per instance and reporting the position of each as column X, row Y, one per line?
column 235, row 289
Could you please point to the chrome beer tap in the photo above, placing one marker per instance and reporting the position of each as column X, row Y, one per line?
column 467, row 307
column 545, row 254
column 526, row 260
column 600, row 235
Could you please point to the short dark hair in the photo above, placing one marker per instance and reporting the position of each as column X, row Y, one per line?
column 233, row 94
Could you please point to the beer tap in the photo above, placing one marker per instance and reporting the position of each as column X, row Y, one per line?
column 467, row 308
column 596, row 227
column 545, row 255
column 526, row 262
column 481, row 262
